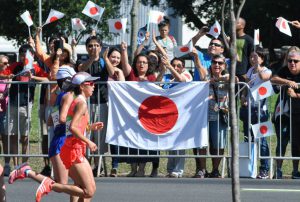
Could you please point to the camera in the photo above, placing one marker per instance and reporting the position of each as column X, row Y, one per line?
column 58, row 44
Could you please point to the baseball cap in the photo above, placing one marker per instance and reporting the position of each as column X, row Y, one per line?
column 64, row 72
column 81, row 77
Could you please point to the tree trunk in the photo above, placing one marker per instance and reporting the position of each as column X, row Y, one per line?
column 134, row 28
column 232, row 99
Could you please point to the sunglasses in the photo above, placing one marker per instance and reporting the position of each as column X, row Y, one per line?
column 93, row 45
column 215, row 44
column 295, row 61
column 217, row 62
column 89, row 83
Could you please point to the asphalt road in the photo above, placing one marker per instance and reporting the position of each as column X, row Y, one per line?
column 174, row 190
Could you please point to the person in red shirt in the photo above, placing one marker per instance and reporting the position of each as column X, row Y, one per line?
column 21, row 98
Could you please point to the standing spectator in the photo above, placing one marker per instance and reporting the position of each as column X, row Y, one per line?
column 289, row 76
column 218, row 105
column 244, row 44
column 255, row 76
column 112, row 58
column 178, row 73
column 139, row 71
column 3, row 111
column 166, row 41
column 21, row 98
column 95, row 66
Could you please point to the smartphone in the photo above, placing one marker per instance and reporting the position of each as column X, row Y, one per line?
column 58, row 44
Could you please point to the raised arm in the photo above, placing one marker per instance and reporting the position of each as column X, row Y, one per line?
column 40, row 53
column 203, row 31
column 110, row 68
column 178, row 77
column 158, row 46
column 202, row 71
column 124, row 59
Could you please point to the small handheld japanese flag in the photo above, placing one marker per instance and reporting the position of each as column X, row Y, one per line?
column 256, row 37
column 27, row 18
column 28, row 64
column 183, row 50
column 283, row 26
column 155, row 16
column 215, row 30
column 262, row 91
column 263, row 129
column 141, row 34
column 77, row 24
column 53, row 16
column 93, row 10
column 117, row 25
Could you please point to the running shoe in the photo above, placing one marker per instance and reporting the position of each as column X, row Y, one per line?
column 18, row 173
column 296, row 175
column 44, row 188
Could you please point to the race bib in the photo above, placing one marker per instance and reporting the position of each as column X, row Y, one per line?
column 55, row 116
column 68, row 123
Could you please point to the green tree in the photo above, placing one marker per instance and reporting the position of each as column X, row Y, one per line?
column 13, row 27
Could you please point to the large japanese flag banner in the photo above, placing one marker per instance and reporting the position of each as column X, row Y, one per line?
column 54, row 16
column 142, row 115
column 262, row 91
column 117, row 25
column 283, row 26
column 93, row 10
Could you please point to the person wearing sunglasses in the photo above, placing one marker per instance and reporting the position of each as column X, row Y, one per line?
column 256, row 75
column 215, row 47
column 218, row 104
column 289, row 77
column 96, row 66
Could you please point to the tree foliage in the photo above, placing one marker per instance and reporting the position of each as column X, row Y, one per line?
column 13, row 27
column 260, row 14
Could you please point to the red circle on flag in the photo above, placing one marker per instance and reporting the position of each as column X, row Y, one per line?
column 118, row 25
column 158, row 114
column 52, row 19
column 216, row 30
column 93, row 10
column 262, row 90
column 263, row 129
column 283, row 25
column 26, row 61
column 77, row 21
column 184, row 49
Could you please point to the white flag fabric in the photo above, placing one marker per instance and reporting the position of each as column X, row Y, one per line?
column 145, row 116
column 256, row 37
column 263, row 129
column 262, row 91
column 117, row 25
column 215, row 30
column 27, row 18
column 155, row 16
column 77, row 24
column 93, row 10
column 283, row 26
column 53, row 16
column 28, row 61
column 180, row 51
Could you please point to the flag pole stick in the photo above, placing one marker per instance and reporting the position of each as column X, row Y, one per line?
column 148, row 24
column 29, row 31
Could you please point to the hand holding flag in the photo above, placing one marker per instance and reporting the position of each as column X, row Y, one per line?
column 54, row 16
